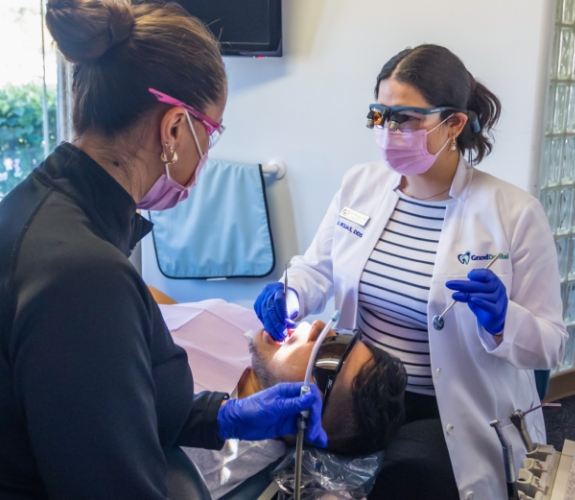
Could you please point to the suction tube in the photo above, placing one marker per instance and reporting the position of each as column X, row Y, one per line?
column 317, row 345
column 303, row 416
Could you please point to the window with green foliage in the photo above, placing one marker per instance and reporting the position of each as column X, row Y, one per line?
column 28, row 81
column 22, row 131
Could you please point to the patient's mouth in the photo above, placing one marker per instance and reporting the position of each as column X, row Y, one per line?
column 268, row 339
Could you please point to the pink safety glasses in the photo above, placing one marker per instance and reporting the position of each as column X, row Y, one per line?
column 212, row 127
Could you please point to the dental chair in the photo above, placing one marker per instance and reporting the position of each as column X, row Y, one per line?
column 258, row 487
column 184, row 480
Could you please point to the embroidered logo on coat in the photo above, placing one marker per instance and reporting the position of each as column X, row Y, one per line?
column 466, row 257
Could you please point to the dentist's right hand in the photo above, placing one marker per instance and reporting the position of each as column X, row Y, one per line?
column 273, row 413
column 273, row 312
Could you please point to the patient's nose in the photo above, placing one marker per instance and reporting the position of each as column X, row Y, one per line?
column 316, row 329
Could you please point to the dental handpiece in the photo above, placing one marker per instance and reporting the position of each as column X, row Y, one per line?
column 518, row 420
column 507, row 460
column 303, row 416
column 438, row 322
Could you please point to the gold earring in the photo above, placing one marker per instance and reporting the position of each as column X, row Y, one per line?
column 172, row 152
column 454, row 145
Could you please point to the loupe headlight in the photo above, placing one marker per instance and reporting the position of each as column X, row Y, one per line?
column 376, row 116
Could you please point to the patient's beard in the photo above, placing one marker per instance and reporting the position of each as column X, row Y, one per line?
column 263, row 373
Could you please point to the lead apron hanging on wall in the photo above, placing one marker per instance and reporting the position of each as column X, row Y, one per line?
column 221, row 231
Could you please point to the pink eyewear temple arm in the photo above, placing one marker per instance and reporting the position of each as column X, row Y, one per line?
column 210, row 125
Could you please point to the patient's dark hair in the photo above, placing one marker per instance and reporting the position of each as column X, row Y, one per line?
column 365, row 422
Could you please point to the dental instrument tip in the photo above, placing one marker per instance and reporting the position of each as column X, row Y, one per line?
column 335, row 316
column 438, row 322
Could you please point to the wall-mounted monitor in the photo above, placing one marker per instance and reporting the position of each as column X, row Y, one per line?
column 244, row 27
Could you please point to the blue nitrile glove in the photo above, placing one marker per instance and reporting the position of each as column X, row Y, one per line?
column 485, row 295
column 272, row 413
column 270, row 308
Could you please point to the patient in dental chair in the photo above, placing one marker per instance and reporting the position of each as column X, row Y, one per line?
column 228, row 351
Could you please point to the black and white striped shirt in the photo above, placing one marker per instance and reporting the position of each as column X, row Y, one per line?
column 394, row 287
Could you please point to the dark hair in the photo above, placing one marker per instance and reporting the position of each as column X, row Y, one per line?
column 442, row 79
column 122, row 48
column 365, row 422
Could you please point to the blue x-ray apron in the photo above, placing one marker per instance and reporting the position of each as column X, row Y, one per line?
column 221, row 231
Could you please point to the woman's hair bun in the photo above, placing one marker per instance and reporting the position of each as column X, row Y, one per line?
column 85, row 29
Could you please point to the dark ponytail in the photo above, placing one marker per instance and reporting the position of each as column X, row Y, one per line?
column 487, row 108
column 442, row 79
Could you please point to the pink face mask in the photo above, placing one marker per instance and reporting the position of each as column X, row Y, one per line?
column 166, row 192
column 406, row 152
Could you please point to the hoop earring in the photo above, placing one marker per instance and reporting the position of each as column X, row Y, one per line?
column 454, row 145
column 172, row 152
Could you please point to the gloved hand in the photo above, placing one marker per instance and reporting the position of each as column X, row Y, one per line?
column 271, row 309
column 485, row 295
column 272, row 413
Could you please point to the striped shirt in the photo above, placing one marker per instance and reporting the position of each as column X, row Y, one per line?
column 394, row 287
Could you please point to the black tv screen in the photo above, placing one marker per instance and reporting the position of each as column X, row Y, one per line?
column 243, row 27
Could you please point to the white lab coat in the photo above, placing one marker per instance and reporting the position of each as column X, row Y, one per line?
column 475, row 380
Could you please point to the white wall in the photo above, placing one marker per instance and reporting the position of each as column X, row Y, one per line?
column 309, row 107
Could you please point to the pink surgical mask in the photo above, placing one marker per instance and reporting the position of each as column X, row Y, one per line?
column 406, row 152
column 166, row 192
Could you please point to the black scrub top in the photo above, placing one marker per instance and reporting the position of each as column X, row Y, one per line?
column 92, row 387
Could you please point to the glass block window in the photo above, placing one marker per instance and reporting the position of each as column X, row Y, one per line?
column 557, row 172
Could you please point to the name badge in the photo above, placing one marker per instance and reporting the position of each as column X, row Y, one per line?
column 353, row 216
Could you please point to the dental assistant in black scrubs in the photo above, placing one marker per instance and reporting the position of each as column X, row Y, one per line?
column 92, row 387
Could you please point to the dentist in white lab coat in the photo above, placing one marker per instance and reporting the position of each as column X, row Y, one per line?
column 394, row 235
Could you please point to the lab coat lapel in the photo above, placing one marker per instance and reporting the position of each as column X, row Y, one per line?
column 446, row 261
column 382, row 208
column 451, row 232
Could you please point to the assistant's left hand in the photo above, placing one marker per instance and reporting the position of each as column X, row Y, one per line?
column 485, row 295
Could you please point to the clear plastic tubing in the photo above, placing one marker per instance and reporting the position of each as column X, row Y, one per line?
column 317, row 345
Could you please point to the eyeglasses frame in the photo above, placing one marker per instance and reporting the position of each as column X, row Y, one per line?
column 210, row 126
column 388, row 111
column 331, row 378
